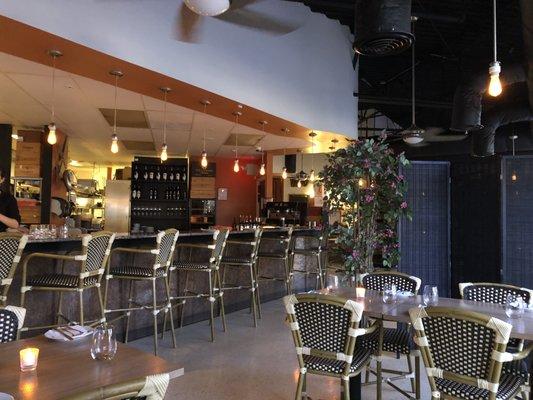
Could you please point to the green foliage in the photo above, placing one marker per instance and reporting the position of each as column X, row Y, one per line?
column 363, row 180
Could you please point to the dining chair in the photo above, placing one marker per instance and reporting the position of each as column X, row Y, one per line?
column 463, row 352
column 208, row 266
column 315, row 247
column 92, row 261
column 246, row 258
column 153, row 387
column 393, row 340
column 11, row 320
column 154, row 271
column 12, row 245
column 279, row 244
column 496, row 293
column 325, row 330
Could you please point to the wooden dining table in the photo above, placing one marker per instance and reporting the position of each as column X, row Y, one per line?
column 398, row 311
column 67, row 368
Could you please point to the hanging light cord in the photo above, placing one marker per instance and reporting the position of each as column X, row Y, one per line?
column 205, row 125
column 236, row 134
column 115, row 112
column 494, row 26
column 53, row 87
column 313, row 153
column 165, row 117
column 413, row 75
column 262, row 152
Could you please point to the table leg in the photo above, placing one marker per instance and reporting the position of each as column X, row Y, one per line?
column 355, row 388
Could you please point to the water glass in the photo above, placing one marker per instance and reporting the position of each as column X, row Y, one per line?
column 104, row 345
column 430, row 295
column 333, row 282
column 514, row 306
column 389, row 293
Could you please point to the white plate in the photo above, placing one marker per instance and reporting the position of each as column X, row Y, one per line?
column 55, row 335
column 5, row 396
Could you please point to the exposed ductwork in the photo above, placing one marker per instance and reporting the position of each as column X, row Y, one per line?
column 483, row 140
column 467, row 101
column 382, row 27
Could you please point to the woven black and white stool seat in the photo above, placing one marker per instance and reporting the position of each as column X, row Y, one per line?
column 60, row 281
column 141, row 272
column 8, row 326
column 236, row 260
column 320, row 364
column 191, row 265
column 394, row 341
column 517, row 367
column 509, row 386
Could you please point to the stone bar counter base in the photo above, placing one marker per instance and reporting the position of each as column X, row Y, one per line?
column 42, row 306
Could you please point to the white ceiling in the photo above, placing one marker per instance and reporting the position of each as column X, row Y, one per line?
column 25, row 101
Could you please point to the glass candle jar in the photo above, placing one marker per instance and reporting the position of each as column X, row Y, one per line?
column 28, row 359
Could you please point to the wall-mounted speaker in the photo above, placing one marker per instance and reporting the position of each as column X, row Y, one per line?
column 290, row 163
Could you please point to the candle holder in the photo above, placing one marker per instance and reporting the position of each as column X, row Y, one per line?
column 360, row 292
column 29, row 358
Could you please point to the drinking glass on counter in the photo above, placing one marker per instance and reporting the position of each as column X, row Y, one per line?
column 430, row 295
column 104, row 345
column 389, row 293
column 514, row 306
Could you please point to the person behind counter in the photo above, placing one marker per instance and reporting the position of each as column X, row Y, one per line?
column 9, row 211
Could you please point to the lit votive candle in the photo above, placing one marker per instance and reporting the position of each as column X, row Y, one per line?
column 28, row 359
column 360, row 292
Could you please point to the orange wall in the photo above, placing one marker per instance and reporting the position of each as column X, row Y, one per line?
column 241, row 190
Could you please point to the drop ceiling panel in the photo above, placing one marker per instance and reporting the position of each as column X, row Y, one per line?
column 152, row 104
column 9, row 63
column 102, row 95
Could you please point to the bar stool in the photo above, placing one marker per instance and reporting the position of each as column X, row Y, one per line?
column 316, row 247
column 281, row 252
column 393, row 340
column 93, row 259
column 243, row 260
column 154, row 271
column 12, row 245
column 210, row 267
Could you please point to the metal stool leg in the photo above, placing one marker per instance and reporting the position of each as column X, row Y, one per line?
column 81, row 306
column 169, row 311
column 299, row 387
column 221, row 299
column 252, row 294
column 211, row 306
column 185, row 294
column 410, row 368
column 155, row 311
column 346, row 387
column 59, row 306
column 101, row 302
column 130, row 299
column 256, row 292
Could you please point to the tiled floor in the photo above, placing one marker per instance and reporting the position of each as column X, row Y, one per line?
column 249, row 363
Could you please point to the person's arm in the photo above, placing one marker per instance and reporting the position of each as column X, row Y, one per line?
column 12, row 216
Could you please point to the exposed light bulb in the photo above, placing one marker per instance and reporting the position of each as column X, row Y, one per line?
column 203, row 162
column 514, row 177
column 114, row 144
column 262, row 169
column 52, row 137
column 495, row 85
column 299, row 184
column 284, row 173
column 164, row 154
column 312, row 175
column 236, row 166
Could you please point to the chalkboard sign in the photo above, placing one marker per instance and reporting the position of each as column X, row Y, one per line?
column 203, row 181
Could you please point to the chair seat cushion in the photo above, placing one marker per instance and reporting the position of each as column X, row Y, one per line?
column 191, row 265
column 509, row 387
column 59, row 280
column 236, row 260
column 141, row 272
column 265, row 254
column 320, row 364
column 394, row 340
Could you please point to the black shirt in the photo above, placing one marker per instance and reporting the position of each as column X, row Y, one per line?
column 9, row 208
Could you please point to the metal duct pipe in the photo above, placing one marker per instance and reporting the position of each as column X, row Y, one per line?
column 467, row 100
column 483, row 140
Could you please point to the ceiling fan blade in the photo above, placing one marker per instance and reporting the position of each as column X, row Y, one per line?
column 242, row 3
column 256, row 21
column 187, row 25
column 446, row 138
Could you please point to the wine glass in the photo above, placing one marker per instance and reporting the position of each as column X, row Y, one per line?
column 389, row 293
column 104, row 345
column 333, row 282
column 430, row 295
column 514, row 306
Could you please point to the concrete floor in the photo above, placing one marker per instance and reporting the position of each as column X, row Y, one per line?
column 249, row 363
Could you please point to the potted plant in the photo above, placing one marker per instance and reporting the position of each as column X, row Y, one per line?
column 364, row 181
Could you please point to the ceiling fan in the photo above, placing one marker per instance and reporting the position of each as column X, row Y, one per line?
column 193, row 12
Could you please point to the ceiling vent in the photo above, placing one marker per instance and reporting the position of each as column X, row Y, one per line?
column 133, row 145
column 243, row 140
column 126, row 118
column 382, row 27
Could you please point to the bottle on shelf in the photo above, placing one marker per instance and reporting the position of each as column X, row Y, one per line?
column 165, row 175
column 171, row 174
column 151, row 173
column 184, row 176
column 135, row 173
column 134, row 192
column 158, row 174
column 145, row 173
column 177, row 175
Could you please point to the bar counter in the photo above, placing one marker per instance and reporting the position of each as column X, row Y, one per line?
column 41, row 306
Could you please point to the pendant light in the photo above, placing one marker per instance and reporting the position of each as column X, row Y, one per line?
column 495, row 86
column 413, row 134
column 203, row 161
column 514, row 176
column 284, row 171
column 312, row 177
column 209, row 8
column 52, row 136
column 164, row 154
column 262, row 170
column 114, row 138
column 236, row 167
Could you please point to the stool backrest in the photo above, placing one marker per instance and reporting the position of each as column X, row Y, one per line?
column 219, row 236
column 11, row 248
column 8, row 325
column 95, row 250
column 463, row 347
column 377, row 281
column 258, row 233
column 166, row 243
column 323, row 325
column 493, row 292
